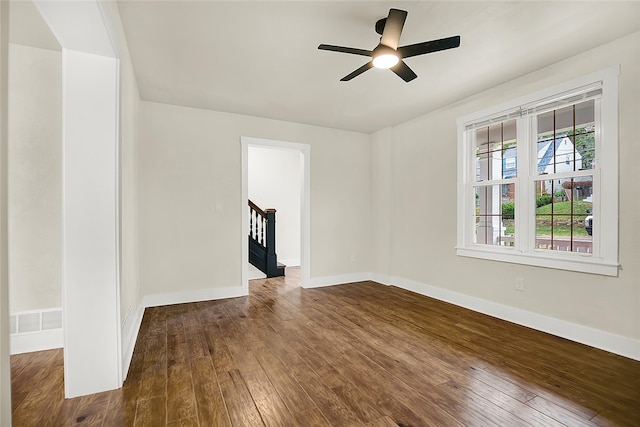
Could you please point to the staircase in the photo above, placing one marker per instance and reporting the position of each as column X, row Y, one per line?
column 262, row 241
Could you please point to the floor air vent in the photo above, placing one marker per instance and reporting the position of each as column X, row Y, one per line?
column 36, row 321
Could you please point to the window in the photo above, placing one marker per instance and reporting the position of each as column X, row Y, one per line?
column 538, row 178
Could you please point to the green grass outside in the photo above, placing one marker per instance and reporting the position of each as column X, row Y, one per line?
column 564, row 208
column 561, row 228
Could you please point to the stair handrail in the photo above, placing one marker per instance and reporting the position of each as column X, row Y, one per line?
column 257, row 209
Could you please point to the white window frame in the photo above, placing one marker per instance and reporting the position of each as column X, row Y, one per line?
column 604, row 257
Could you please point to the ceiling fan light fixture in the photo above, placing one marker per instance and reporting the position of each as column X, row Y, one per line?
column 387, row 54
column 385, row 60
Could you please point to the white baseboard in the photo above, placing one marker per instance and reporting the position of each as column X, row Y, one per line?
column 130, row 329
column 383, row 279
column 294, row 262
column 603, row 340
column 36, row 341
column 319, row 282
column 196, row 295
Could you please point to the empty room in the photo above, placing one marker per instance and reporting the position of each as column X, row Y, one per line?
column 319, row 213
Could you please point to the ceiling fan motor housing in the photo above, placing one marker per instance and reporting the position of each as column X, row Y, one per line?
column 380, row 25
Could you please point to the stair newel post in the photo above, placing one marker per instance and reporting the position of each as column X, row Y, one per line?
column 271, row 243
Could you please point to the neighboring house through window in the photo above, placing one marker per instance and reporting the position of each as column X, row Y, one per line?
column 537, row 178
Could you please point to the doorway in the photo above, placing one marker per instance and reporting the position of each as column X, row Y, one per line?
column 264, row 148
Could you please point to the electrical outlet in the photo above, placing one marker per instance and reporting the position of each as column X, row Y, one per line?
column 519, row 284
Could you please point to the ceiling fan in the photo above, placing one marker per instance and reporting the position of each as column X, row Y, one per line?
column 387, row 54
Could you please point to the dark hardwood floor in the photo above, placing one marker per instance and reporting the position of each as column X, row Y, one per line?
column 360, row 354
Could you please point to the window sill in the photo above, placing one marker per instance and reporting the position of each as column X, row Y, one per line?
column 573, row 262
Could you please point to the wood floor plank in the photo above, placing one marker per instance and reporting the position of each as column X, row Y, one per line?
column 242, row 410
column 184, row 422
column 65, row 413
column 191, row 321
column 212, row 410
column 91, row 410
column 311, row 417
column 534, row 386
column 507, row 403
column 154, row 376
column 151, row 412
column 180, row 397
column 558, row 413
column 312, row 358
column 157, row 323
column 351, row 396
column 508, row 388
column 121, row 410
column 294, row 397
column 411, row 408
column 333, row 409
column 197, row 344
column 243, row 357
column 209, row 312
column 271, row 407
column 222, row 360
column 382, row 422
column 177, row 348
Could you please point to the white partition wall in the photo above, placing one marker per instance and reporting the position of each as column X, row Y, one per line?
column 90, row 232
column 90, row 193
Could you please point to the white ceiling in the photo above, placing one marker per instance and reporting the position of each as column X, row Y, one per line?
column 260, row 58
column 27, row 27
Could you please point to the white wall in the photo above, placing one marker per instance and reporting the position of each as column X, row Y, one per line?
column 190, row 162
column 5, row 369
column 35, row 178
column 423, row 218
column 382, row 201
column 274, row 180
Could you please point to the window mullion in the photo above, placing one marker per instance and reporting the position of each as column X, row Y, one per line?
column 470, row 145
column 597, row 224
column 522, row 207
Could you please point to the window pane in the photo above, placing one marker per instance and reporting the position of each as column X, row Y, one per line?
column 563, row 214
column 566, row 139
column 496, row 154
column 495, row 215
